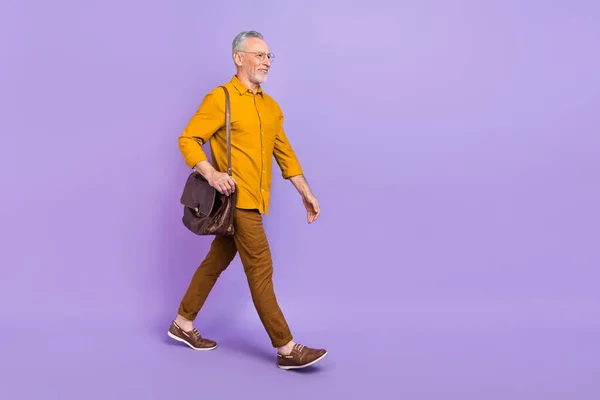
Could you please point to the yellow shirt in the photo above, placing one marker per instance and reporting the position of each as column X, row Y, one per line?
column 257, row 135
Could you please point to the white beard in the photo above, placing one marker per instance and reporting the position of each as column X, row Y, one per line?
column 260, row 78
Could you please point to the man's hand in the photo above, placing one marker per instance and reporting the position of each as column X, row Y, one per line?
column 310, row 202
column 312, row 208
column 221, row 181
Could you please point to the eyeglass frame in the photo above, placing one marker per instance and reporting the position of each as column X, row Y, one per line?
column 260, row 55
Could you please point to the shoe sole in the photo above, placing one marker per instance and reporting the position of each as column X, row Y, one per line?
column 189, row 345
column 288, row 367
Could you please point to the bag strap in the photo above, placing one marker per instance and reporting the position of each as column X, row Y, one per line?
column 228, row 128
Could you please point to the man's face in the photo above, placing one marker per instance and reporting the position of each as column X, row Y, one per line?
column 254, row 61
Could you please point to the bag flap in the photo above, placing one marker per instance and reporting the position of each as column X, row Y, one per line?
column 198, row 194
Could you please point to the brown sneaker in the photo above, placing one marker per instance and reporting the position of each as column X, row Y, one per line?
column 191, row 338
column 300, row 357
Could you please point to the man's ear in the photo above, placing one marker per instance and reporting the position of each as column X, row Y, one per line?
column 237, row 58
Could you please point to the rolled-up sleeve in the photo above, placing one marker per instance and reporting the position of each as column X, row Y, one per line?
column 207, row 120
column 285, row 155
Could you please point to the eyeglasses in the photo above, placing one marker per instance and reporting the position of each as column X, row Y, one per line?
column 260, row 55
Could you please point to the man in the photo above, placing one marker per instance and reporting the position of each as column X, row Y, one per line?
column 257, row 135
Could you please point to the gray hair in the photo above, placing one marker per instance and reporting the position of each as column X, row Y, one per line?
column 239, row 40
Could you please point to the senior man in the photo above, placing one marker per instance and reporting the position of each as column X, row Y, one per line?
column 257, row 135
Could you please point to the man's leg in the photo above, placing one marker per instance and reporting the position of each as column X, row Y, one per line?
column 255, row 254
column 222, row 252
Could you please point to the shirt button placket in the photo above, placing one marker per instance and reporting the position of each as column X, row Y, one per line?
column 262, row 157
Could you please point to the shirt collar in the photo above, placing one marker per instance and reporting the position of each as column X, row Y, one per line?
column 241, row 88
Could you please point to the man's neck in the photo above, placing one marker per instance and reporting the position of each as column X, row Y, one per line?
column 252, row 86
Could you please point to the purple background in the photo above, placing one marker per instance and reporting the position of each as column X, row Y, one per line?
column 453, row 145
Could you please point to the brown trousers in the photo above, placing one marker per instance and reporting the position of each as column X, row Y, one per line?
column 250, row 241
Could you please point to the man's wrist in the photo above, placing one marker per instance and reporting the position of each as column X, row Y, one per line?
column 301, row 184
column 205, row 169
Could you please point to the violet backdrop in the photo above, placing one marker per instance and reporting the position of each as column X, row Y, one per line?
column 453, row 145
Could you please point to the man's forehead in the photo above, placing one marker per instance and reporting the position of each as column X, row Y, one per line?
column 256, row 44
